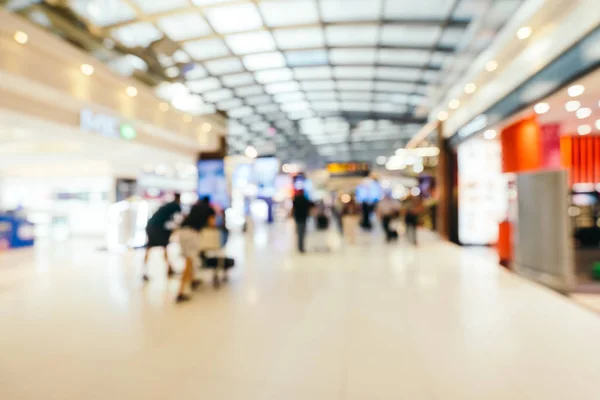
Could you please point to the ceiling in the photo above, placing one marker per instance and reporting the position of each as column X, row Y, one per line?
column 314, row 80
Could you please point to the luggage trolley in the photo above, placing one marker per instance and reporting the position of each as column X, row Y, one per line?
column 212, row 255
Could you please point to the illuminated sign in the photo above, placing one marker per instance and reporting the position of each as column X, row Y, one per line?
column 106, row 125
column 349, row 169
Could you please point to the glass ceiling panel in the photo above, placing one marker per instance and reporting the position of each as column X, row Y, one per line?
column 206, row 49
column 323, row 72
column 159, row 6
column 356, row 96
column 451, row 37
column 228, row 104
column 282, row 87
column 354, row 72
column 267, row 108
column 240, row 112
column 355, row 85
column 352, row 35
column 255, row 62
column 252, row 42
column 352, row 56
column 288, row 97
column 289, row 39
column 274, row 75
column 234, row 18
column 404, row 57
column 184, row 26
column 256, row 100
column 321, row 95
column 391, row 73
column 218, row 95
column 138, row 34
column 237, row 79
column 350, row 10
column 249, row 90
column 395, row 35
column 422, row 9
column 291, row 12
column 318, row 85
column 306, row 58
column 224, row 66
column 325, row 105
column 394, row 87
column 102, row 13
column 204, row 85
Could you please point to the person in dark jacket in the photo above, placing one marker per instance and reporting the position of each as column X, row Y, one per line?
column 301, row 211
column 159, row 233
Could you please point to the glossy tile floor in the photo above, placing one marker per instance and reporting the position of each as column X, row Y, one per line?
column 364, row 322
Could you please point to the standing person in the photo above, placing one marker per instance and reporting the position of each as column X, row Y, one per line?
column 350, row 220
column 387, row 210
column 411, row 219
column 301, row 211
column 189, row 239
column 159, row 231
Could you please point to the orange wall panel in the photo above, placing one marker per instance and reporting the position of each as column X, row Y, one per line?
column 521, row 146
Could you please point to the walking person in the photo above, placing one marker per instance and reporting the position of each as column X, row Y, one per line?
column 411, row 218
column 200, row 216
column 388, row 209
column 159, row 229
column 350, row 220
column 301, row 211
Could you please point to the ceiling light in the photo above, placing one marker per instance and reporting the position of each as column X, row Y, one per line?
column 163, row 106
column 187, row 118
column 576, row 90
column 491, row 65
column 470, row 88
column 206, row 127
column 418, row 168
column 442, row 115
column 583, row 113
column 21, row 37
column 598, row 124
column 172, row 72
column 251, row 152
column 524, row 32
column 87, row 69
column 541, row 108
column 381, row 160
column 454, row 104
column 131, row 91
column 584, row 130
column 572, row 105
column 490, row 134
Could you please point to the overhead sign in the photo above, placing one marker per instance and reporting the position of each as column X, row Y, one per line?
column 349, row 169
column 106, row 125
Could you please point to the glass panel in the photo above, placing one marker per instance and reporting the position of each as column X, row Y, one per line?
column 102, row 13
column 408, row 74
column 356, row 105
column 206, row 49
column 306, row 57
column 158, row 6
column 355, row 85
column 396, row 35
column 404, row 57
column 252, row 119
column 196, row 72
column 288, row 39
column 354, row 72
column 264, row 61
column 218, row 95
column 422, row 9
column 288, row 97
column 356, row 96
column 350, row 10
column 394, row 87
column 184, row 26
column 312, row 72
column 253, row 42
column 234, row 18
column 204, row 85
column 282, row 87
column 352, row 35
column 267, row 108
column 228, row 104
column 237, row 79
column 320, row 95
column 318, row 85
column 139, row 34
column 240, row 112
column 389, row 108
column 451, row 37
column 301, row 114
column 290, row 12
column 224, row 66
column 352, row 56
column 274, row 75
column 127, row 65
column 260, row 99
column 260, row 126
column 249, row 90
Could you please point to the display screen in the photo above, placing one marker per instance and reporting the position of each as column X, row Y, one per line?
column 212, row 182
column 264, row 172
